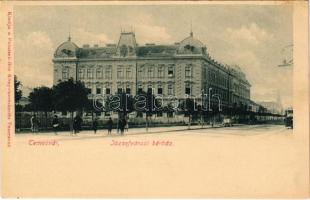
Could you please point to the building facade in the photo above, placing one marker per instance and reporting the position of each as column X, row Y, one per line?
column 184, row 68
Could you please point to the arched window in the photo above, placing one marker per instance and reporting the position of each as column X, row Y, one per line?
column 160, row 89
column 140, row 89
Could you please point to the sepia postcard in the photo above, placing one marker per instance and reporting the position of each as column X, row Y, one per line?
column 154, row 99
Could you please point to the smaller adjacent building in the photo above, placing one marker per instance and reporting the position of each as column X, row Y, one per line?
column 272, row 107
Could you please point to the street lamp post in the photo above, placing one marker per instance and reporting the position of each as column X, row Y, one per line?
column 201, row 109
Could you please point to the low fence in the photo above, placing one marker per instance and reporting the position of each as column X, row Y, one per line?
column 23, row 120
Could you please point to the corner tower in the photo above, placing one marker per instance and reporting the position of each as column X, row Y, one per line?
column 65, row 58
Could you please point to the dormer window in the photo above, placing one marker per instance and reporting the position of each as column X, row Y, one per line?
column 66, row 51
column 191, row 45
column 130, row 49
column 123, row 51
column 204, row 50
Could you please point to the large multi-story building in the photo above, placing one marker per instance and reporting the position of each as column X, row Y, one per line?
column 183, row 68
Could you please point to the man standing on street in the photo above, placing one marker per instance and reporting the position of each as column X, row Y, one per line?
column 77, row 123
column 55, row 124
column 110, row 126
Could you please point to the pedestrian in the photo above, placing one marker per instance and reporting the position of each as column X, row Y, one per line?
column 119, row 121
column 110, row 125
column 95, row 125
column 126, row 124
column 122, row 126
column 77, row 123
column 34, row 123
column 31, row 123
column 55, row 124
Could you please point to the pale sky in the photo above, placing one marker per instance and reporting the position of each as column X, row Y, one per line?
column 251, row 36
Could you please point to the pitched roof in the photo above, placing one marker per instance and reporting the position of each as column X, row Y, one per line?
column 98, row 52
column 156, row 50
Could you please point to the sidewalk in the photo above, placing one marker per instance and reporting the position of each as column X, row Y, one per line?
column 131, row 131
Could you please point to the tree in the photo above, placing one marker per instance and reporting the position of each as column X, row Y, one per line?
column 41, row 100
column 122, row 103
column 126, row 104
column 70, row 96
column 17, row 89
column 169, row 109
column 93, row 106
column 189, row 108
column 147, row 103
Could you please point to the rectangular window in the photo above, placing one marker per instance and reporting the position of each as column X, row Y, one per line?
column 140, row 90
column 119, row 72
column 99, row 72
column 89, row 73
column 170, row 89
column 119, row 90
column 159, row 90
column 150, row 72
column 149, row 90
column 212, row 77
column 108, row 72
column 170, row 71
column 160, row 72
column 108, row 91
column 128, row 72
column 140, row 73
column 188, row 88
column 81, row 73
column 98, row 90
column 128, row 91
column 188, row 71
column 65, row 73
